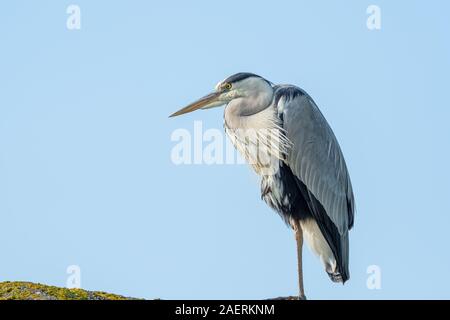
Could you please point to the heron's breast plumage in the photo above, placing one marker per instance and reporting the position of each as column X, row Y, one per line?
column 262, row 142
column 259, row 138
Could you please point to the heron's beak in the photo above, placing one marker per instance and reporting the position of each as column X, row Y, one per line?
column 209, row 101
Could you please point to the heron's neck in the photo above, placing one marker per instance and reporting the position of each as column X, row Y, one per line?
column 238, row 111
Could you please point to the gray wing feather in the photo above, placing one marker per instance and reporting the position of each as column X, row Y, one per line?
column 315, row 156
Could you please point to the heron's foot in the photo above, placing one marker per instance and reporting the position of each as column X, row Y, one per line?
column 289, row 298
column 302, row 297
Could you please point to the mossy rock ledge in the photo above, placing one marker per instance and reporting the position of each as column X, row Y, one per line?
column 35, row 291
column 21, row 290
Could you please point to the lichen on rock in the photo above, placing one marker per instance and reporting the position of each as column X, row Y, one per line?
column 35, row 291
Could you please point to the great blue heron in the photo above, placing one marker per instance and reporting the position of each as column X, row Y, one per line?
column 281, row 132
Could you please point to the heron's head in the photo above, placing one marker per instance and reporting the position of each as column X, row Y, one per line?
column 240, row 86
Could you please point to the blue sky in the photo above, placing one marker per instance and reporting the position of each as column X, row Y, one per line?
column 86, row 176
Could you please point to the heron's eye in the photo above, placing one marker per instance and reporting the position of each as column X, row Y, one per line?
column 228, row 86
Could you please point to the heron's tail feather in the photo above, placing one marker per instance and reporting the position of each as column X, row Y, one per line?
column 335, row 277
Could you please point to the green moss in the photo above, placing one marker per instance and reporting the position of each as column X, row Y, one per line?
column 36, row 291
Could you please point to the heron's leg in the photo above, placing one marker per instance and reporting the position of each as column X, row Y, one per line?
column 299, row 238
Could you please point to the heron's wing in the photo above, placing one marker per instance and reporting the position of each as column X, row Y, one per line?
column 316, row 160
column 315, row 156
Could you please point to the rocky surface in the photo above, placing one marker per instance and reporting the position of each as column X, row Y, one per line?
column 18, row 290
column 36, row 291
